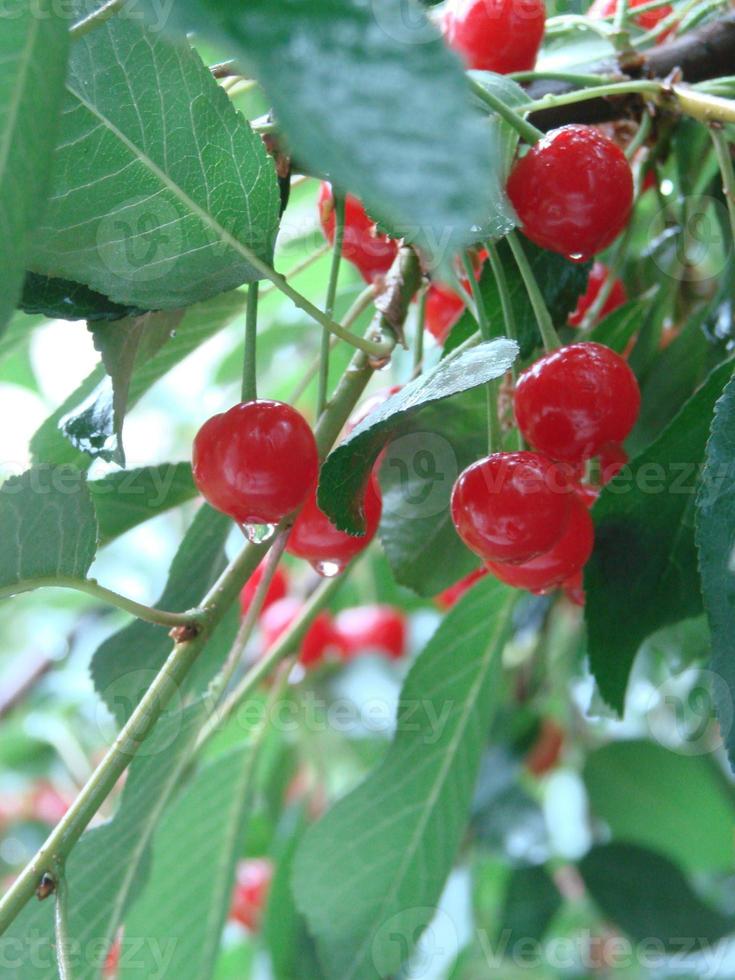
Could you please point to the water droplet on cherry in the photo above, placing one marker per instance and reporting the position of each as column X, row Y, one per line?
column 258, row 533
column 328, row 569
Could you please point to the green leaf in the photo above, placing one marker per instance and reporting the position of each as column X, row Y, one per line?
column 196, row 845
column 369, row 874
column 653, row 797
column 107, row 868
column 643, row 572
column 124, row 665
column 125, row 500
column 64, row 300
column 619, row 326
column 369, row 94
column 18, row 333
column 200, row 323
column 34, row 45
column 123, row 346
column 715, row 533
column 561, row 282
column 531, row 902
column 48, row 528
column 346, row 470
column 650, row 899
column 155, row 175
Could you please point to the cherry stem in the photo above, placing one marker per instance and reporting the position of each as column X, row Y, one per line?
column 339, row 233
column 724, row 159
column 526, row 130
column 549, row 335
column 494, row 434
column 148, row 614
column 249, row 368
column 96, row 18
column 640, row 86
column 506, row 302
column 61, row 923
column 418, row 347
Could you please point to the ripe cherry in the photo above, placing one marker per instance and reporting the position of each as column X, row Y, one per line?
column 575, row 399
column 319, row 638
column 329, row 550
column 597, row 279
column 495, row 35
column 252, row 882
column 574, row 589
column 373, row 254
column 511, row 506
column 572, row 191
column 612, row 459
column 552, row 569
column 452, row 595
column 380, row 628
column 648, row 20
column 277, row 589
column 257, row 462
column 444, row 307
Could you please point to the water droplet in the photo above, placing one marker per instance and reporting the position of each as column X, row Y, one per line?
column 172, row 334
column 576, row 256
column 258, row 533
column 328, row 569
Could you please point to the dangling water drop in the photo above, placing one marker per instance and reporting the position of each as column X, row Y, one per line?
column 328, row 569
column 576, row 256
column 258, row 533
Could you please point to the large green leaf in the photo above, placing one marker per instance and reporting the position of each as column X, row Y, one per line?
column 643, row 573
column 124, row 500
column 200, row 323
column 531, row 902
column 154, row 177
column 195, row 850
column 124, row 665
column 561, row 282
column 47, row 526
column 346, row 469
column 33, row 51
column 64, row 300
column 368, row 94
column 715, row 532
column 368, row 876
column 108, row 866
column 650, row 899
column 651, row 796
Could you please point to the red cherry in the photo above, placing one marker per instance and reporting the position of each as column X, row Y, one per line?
column 545, row 752
column 47, row 805
column 573, row 191
column 575, row 399
column 373, row 254
column 617, row 297
column 587, row 494
column 555, row 567
column 452, row 595
column 316, row 539
column 443, row 309
column 257, row 462
column 380, row 628
column 275, row 591
column 648, row 20
column 574, row 589
column 318, row 639
column 495, row 35
column 511, row 506
column 252, row 882
column 612, row 459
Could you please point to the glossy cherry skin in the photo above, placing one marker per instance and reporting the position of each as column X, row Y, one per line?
column 371, row 253
column 552, row 569
column 574, row 589
column 277, row 589
column 319, row 638
column 612, row 459
column 379, row 628
column 648, row 20
column 257, row 462
column 444, row 307
column 618, row 296
column 511, row 506
column 317, row 540
column 572, row 191
column 495, row 35
column 575, row 399
column 452, row 595
column 252, row 882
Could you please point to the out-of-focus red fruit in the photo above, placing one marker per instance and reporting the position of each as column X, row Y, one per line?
column 587, row 494
column 320, row 636
column 112, row 960
column 545, row 753
column 617, row 297
column 452, row 595
column 369, row 405
column 47, row 805
column 444, row 307
column 371, row 253
column 252, row 882
column 275, row 591
column 648, row 20
column 379, row 628
column 574, row 589
column 612, row 459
